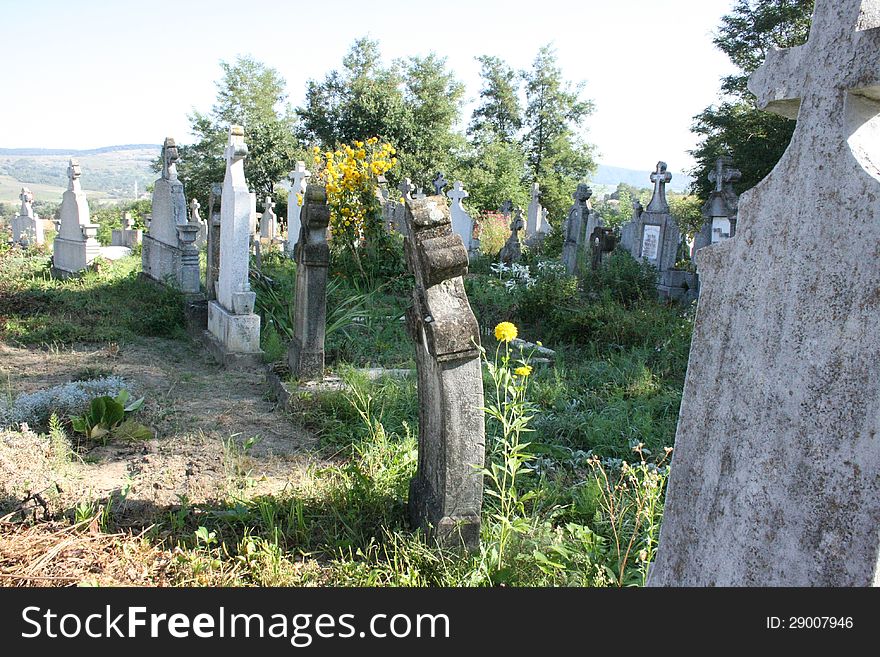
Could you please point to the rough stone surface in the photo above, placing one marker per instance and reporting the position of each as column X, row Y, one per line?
column 76, row 244
column 776, row 473
column 231, row 318
column 446, row 495
column 212, row 270
column 305, row 355
column 537, row 226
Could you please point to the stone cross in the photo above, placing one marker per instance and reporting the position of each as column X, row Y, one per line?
column 212, row 270
column 535, row 228
column 439, row 183
column 575, row 225
column 777, row 458
column 27, row 199
column 298, row 180
column 27, row 227
column 462, row 222
column 268, row 222
column 506, row 207
column 406, row 188
column 660, row 177
column 231, row 319
column 512, row 249
column 305, row 356
column 194, row 206
column 170, row 155
column 719, row 210
column 74, row 171
column 446, row 495
column 76, row 244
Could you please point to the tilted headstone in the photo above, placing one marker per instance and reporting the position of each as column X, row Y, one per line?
column 162, row 254
column 127, row 236
column 196, row 218
column 536, row 222
column 774, row 480
column 305, row 355
column 231, row 319
column 719, row 210
column 512, row 249
column 462, row 223
column 212, row 270
column 76, row 244
column 446, row 495
column 27, row 227
column 629, row 229
column 296, row 188
column 574, row 227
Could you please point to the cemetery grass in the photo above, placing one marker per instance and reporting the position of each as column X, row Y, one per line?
column 327, row 507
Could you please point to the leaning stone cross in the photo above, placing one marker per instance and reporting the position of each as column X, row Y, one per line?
column 660, row 177
column 777, row 485
column 406, row 188
column 457, row 194
column 439, row 183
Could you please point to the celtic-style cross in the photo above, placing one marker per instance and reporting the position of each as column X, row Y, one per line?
column 658, row 200
column 723, row 174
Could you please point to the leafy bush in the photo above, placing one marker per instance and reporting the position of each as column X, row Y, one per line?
column 623, row 279
column 65, row 401
column 108, row 415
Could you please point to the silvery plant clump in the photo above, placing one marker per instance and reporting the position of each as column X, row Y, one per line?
column 65, row 400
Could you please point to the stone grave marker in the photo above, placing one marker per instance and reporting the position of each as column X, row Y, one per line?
column 127, row 236
column 233, row 327
column 76, row 244
column 27, row 227
column 195, row 217
column 296, row 189
column 305, row 355
column 269, row 222
column 439, row 183
column 212, row 270
column 162, row 254
column 446, row 495
column 575, row 226
column 462, row 222
column 536, row 222
column 719, row 210
column 512, row 250
column 774, row 479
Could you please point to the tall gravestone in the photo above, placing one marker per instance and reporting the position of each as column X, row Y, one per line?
column 574, row 227
column 536, row 219
column 446, row 495
column 195, row 217
column 76, row 244
column 462, row 222
column 165, row 256
column 719, row 210
column 296, row 189
column 27, row 227
column 232, row 324
column 269, row 222
column 629, row 229
column 212, row 269
column 776, row 467
column 305, row 355
column 512, row 250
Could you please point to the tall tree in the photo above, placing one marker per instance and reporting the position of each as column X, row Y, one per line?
column 557, row 156
column 252, row 95
column 753, row 138
column 499, row 114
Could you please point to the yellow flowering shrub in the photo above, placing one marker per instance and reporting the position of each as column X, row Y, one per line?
column 349, row 174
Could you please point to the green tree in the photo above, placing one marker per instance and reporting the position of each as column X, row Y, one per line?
column 499, row 115
column 753, row 138
column 252, row 95
column 557, row 156
column 493, row 169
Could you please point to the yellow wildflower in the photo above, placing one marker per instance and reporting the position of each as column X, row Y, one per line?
column 524, row 370
column 299, row 199
column 505, row 332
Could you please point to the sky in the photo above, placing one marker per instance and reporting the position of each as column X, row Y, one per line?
column 82, row 74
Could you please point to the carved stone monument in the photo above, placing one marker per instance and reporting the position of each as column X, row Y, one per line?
column 296, row 189
column 629, row 229
column 575, row 225
column 462, row 223
column 774, row 479
column 212, row 270
column 719, row 210
column 76, row 244
column 27, row 227
column 269, row 222
column 305, row 356
column 439, row 183
column 127, row 236
column 232, row 324
column 512, row 249
column 446, row 495
column 536, row 222
column 196, row 218
column 162, row 255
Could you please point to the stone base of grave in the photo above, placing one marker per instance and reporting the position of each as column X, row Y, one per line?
column 459, row 531
column 233, row 340
column 69, row 257
column 304, row 364
column 27, row 231
column 680, row 286
column 126, row 237
column 164, row 263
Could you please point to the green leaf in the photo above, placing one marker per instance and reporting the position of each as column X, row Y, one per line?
column 134, row 406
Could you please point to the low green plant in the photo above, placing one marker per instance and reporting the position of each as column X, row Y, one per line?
column 108, row 415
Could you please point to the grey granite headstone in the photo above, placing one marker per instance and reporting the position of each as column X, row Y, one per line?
column 76, row 244
column 446, row 495
column 537, row 226
column 775, row 478
column 719, row 210
column 512, row 250
column 629, row 229
column 574, row 227
column 27, row 227
column 306, row 352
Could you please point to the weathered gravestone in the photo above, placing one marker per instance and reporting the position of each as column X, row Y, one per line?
column 536, row 221
column 296, row 189
column 76, row 244
column 719, row 210
column 166, row 255
column 446, row 495
column 628, row 230
column 269, row 222
column 512, row 250
column 27, row 227
column 575, row 225
column 462, row 222
column 195, row 217
column 233, row 327
column 305, row 355
column 127, row 236
column 212, row 270
column 439, row 183
column 776, row 474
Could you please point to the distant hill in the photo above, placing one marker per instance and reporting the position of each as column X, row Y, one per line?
column 110, row 170
column 608, row 175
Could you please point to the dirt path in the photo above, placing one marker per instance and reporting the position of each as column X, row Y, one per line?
column 202, row 415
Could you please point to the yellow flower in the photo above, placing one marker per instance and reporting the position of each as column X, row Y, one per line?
column 505, row 332
column 524, row 370
column 299, row 199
